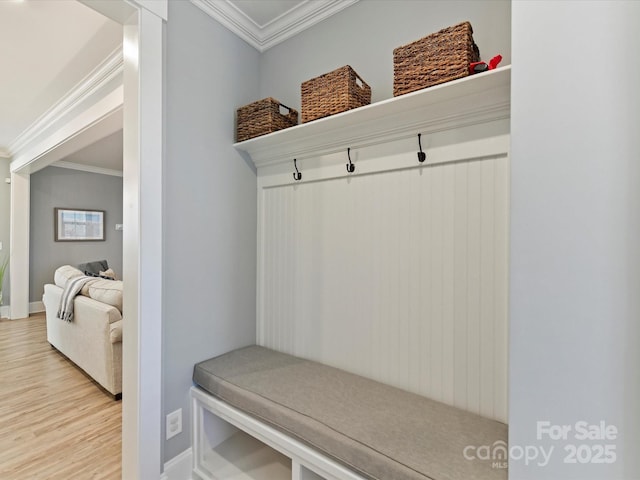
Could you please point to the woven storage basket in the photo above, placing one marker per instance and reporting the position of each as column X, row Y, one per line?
column 436, row 58
column 332, row 93
column 262, row 117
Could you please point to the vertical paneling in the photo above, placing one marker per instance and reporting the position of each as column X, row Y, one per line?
column 400, row 276
column 474, row 222
column 448, row 284
column 460, row 274
column 501, row 294
column 487, row 288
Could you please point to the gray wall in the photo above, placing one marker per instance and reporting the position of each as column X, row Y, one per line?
column 5, row 204
column 60, row 187
column 364, row 36
column 575, row 232
column 210, row 204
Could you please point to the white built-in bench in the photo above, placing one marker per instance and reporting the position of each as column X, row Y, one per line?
column 261, row 414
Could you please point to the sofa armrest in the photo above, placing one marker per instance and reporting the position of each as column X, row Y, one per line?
column 115, row 332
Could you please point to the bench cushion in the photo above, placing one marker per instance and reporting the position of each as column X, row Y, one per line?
column 379, row 431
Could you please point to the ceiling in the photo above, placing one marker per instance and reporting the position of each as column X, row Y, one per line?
column 103, row 156
column 47, row 47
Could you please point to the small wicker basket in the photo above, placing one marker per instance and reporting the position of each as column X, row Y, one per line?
column 333, row 92
column 262, row 117
column 436, row 58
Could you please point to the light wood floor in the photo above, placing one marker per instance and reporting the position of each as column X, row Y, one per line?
column 55, row 423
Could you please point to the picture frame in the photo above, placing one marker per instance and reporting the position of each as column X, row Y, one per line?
column 78, row 225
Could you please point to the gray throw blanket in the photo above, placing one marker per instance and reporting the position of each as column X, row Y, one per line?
column 71, row 289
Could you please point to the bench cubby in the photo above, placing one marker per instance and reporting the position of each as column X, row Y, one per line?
column 231, row 445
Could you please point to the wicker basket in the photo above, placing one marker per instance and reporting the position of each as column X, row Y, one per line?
column 262, row 117
column 436, row 58
column 332, row 93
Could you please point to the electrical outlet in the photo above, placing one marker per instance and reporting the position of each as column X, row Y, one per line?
column 174, row 423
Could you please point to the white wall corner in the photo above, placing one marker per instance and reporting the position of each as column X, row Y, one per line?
column 179, row 467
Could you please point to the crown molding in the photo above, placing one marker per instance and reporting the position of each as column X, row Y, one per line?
column 110, row 68
column 263, row 37
column 87, row 168
column 4, row 153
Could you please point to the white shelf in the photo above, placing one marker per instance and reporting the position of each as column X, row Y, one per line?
column 471, row 100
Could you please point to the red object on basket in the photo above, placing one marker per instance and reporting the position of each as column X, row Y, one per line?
column 477, row 67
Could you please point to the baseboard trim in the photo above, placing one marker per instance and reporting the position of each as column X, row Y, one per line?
column 179, row 467
column 36, row 307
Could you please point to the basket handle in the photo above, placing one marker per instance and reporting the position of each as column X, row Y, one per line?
column 358, row 77
column 283, row 105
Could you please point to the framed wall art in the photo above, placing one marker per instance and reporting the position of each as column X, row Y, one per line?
column 78, row 225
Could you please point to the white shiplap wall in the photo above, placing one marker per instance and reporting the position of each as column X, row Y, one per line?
column 398, row 272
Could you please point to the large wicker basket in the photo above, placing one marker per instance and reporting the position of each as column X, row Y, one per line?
column 262, row 117
column 333, row 92
column 436, row 58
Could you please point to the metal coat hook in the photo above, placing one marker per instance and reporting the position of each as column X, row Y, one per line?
column 421, row 155
column 296, row 175
column 350, row 166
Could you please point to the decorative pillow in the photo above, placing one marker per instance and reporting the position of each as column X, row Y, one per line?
column 92, row 268
column 107, row 291
column 108, row 274
column 64, row 274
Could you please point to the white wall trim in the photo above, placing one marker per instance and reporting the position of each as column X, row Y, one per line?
column 92, row 83
column 263, row 37
column 142, row 247
column 87, row 168
column 102, row 118
column 34, row 307
column 4, row 153
column 179, row 467
column 19, row 244
column 159, row 8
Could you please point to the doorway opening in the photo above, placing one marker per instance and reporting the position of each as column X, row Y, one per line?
column 142, row 218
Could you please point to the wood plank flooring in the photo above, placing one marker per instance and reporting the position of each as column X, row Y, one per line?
column 55, row 423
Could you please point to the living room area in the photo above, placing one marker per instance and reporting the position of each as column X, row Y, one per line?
column 50, row 365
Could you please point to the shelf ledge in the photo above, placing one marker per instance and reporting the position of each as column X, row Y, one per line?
column 471, row 100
